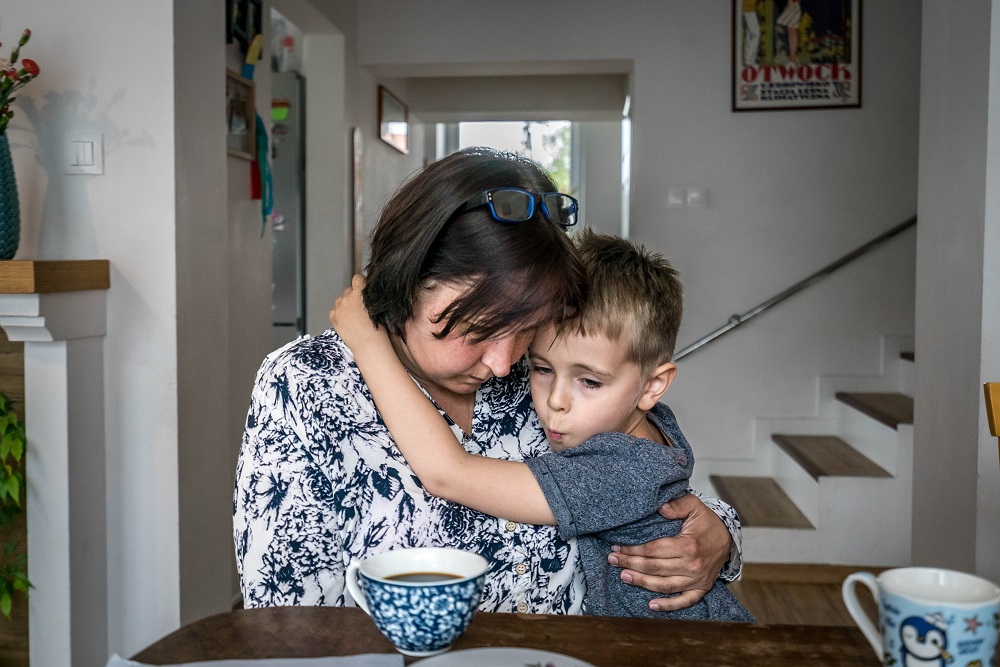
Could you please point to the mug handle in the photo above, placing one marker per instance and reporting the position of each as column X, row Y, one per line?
column 351, row 580
column 849, row 593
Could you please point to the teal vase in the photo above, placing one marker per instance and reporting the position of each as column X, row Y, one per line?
column 10, row 213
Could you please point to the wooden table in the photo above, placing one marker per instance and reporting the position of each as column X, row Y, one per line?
column 303, row 632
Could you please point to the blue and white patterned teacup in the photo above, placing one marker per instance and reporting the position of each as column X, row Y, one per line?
column 421, row 599
column 929, row 616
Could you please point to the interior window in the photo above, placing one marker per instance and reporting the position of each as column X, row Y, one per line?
column 549, row 143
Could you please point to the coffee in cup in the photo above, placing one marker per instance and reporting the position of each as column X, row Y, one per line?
column 928, row 616
column 422, row 599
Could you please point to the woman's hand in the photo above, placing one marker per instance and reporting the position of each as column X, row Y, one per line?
column 688, row 563
column 350, row 319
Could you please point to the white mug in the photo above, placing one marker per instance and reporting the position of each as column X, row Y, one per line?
column 928, row 616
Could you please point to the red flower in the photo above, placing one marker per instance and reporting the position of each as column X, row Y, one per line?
column 30, row 66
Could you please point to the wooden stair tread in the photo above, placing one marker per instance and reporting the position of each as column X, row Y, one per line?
column 890, row 409
column 759, row 501
column 828, row 456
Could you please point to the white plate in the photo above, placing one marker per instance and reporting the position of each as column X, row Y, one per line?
column 502, row 657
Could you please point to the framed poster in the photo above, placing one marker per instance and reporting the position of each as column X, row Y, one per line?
column 796, row 54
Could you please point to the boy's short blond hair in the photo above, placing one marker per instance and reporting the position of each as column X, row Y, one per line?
column 634, row 297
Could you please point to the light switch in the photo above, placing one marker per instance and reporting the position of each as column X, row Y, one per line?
column 85, row 155
column 677, row 197
column 697, row 197
column 687, row 197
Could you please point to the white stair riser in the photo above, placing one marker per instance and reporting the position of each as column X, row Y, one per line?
column 867, row 435
column 860, row 520
column 800, row 487
column 907, row 377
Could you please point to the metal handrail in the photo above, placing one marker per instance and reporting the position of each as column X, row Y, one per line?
column 737, row 320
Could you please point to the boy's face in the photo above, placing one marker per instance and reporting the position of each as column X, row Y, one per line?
column 582, row 386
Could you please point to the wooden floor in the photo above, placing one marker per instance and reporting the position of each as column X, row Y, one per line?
column 799, row 594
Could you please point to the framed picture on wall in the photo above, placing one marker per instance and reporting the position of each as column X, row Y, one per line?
column 796, row 54
column 393, row 120
column 243, row 20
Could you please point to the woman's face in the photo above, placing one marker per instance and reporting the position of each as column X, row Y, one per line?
column 454, row 363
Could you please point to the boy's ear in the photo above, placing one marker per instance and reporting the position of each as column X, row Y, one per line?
column 657, row 384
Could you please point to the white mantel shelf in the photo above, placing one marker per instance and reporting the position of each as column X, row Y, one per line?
column 59, row 310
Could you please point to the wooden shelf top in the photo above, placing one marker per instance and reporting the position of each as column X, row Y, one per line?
column 34, row 277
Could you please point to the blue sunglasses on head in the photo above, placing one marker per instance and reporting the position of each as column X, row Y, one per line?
column 516, row 205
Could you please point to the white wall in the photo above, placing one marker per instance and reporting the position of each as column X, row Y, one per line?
column 186, row 260
column 223, row 304
column 352, row 94
column 958, row 295
column 788, row 191
column 328, row 176
column 123, row 87
column 988, row 501
column 452, row 99
column 600, row 163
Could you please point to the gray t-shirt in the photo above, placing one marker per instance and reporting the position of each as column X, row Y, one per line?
column 607, row 491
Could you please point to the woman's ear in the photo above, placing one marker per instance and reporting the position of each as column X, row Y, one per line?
column 657, row 383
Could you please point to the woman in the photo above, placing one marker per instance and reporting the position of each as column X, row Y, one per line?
column 460, row 275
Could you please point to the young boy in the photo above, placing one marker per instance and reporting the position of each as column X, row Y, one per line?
column 618, row 454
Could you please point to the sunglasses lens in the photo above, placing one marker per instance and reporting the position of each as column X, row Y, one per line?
column 512, row 205
column 562, row 209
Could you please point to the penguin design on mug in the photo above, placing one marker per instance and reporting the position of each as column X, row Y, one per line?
column 925, row 641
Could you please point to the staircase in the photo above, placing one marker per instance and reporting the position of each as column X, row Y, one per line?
column 839, row 486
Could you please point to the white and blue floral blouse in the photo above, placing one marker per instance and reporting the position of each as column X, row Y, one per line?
column 320, row 482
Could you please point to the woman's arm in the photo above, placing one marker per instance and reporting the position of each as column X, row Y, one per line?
column 500, row 488
column 688, row 563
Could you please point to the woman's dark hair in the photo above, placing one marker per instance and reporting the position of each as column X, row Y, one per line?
column 518, row 274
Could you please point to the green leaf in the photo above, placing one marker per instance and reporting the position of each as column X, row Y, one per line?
column 5, row 443
column 6, row 603
column 14, row 487
column 17, row 448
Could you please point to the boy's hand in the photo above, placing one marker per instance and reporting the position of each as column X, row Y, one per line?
column 350, row 319
column 688, row 563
